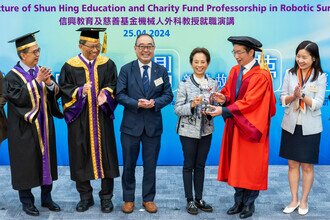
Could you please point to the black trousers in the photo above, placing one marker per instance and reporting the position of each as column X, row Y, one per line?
column 245, row 196
column 26, row 197
column 86, row 191
column 195, row 153
column 150, row 151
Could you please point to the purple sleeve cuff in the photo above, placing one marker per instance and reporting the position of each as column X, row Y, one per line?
column 226, row 113
column 109, row 106
column 71, row 113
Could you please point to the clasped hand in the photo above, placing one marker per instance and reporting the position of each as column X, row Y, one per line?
column 297, row 91
column 145, row 103
column 44, row 75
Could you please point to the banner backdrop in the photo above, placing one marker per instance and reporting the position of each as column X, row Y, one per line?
column 177, row 27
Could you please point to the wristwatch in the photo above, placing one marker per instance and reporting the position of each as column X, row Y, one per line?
column 303, row 96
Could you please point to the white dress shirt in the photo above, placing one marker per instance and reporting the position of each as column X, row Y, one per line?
column 142, row 69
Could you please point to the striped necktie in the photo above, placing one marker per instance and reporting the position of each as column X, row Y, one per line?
column 145, row 79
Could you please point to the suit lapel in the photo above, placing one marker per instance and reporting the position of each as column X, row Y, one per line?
column 154, row 75
column 137, row 74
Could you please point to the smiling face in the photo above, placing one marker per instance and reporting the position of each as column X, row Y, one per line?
column 199, row 64
column 90, row 50
column 144, row 49
column 31, row 57
column 241, row 55
column 304, row 60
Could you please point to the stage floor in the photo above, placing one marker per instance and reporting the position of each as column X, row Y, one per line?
column 170, row 197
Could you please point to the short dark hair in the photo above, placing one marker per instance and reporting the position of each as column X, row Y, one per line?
column 22, row 51
column 313, row 50
column 140, row 35
column 247, row 48
column 200, row 50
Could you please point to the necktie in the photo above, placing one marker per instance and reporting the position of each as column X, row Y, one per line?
column 90, row 64
column 239, row 80
column 31, row 71
column 145, row 79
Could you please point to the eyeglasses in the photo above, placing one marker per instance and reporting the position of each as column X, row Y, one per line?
column 238, row 52
column 35, row 52
column 97, row 46
column 143, row 47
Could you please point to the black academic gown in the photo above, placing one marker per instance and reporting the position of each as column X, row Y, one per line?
column 92, row 145
column 25, row 132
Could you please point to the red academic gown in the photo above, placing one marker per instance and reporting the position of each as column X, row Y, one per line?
column 245, row 143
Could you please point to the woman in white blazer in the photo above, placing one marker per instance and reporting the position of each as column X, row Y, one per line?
column 303, row 92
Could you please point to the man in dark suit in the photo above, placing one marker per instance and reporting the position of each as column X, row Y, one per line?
column 143, row 88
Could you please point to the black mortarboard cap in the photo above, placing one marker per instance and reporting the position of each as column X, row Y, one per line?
column 246, row 41
column 90, row 33
column 25, row 41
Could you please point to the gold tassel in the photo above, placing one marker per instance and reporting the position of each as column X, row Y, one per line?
column 263, row 63
column 104, row 45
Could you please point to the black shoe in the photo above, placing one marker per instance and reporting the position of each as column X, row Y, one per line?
column 202, row 205
column 236, row 208
column 247, row 211
column 52, row 206
column 83, row 205
column 30, row 209
column 191, row 208
column 106, row 205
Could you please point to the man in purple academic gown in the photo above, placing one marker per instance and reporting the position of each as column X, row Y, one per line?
column 88, row 83
column 31, row 93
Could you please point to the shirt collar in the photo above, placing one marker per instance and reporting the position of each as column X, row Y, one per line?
column 142, row 64
column 87, row 60
column 25, row 67
column 249, row 65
